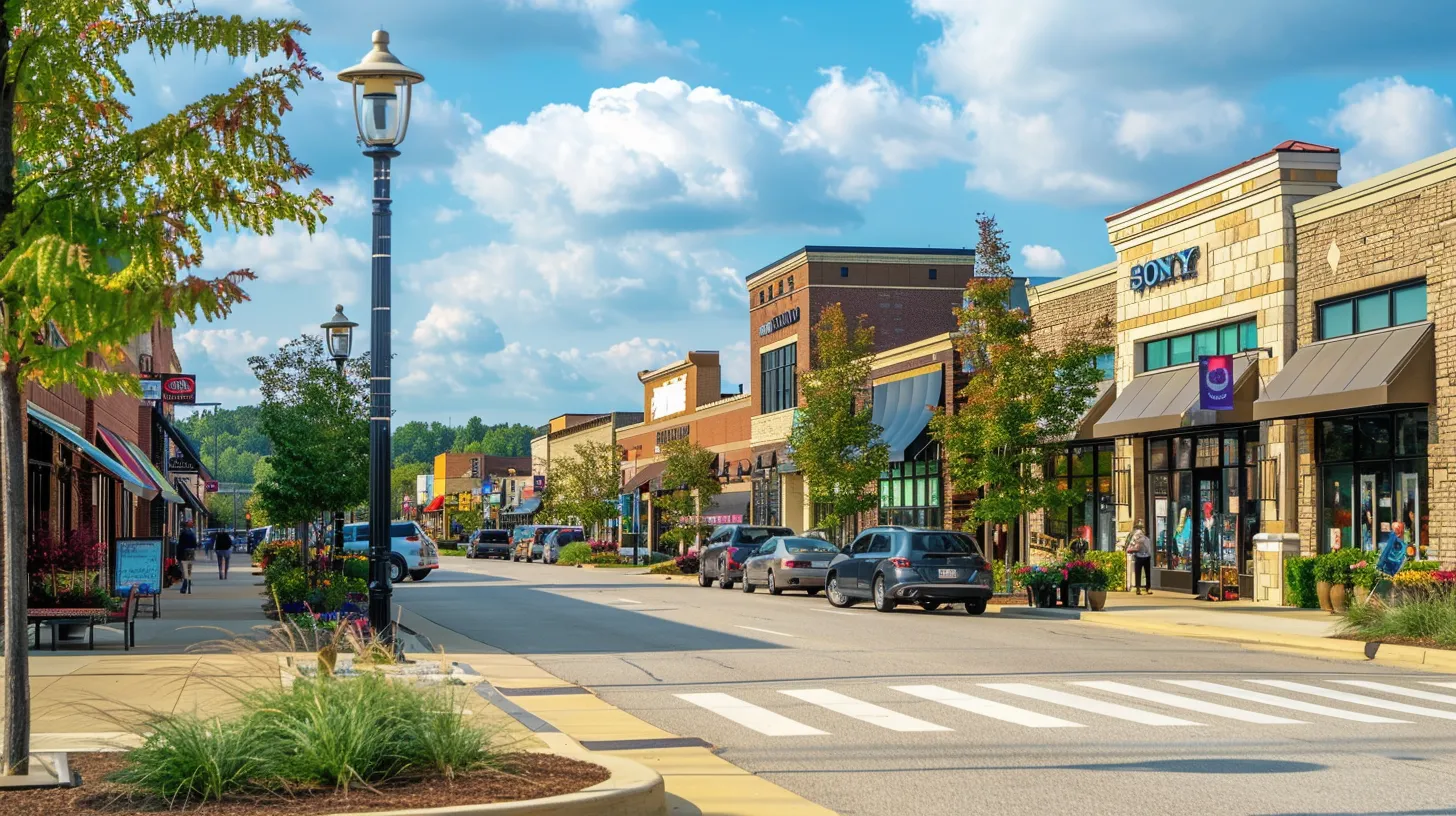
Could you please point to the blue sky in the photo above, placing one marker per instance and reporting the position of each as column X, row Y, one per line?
column 586, row 182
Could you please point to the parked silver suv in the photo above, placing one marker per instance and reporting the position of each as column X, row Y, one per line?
column 893, row 565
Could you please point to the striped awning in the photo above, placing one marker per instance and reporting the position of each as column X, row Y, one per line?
column 137, row 462
column 73, row 437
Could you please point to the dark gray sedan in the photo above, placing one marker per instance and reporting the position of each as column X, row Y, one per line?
column 789, row 562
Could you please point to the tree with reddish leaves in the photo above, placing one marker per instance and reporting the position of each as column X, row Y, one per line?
column 101, row 219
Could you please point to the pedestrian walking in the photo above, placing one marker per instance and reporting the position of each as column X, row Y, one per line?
column 1140, row 547
column 186, row 553
column 222, row 546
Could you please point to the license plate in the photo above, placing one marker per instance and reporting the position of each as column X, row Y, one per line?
column 950, row 573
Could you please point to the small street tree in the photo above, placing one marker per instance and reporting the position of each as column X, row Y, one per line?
column 834, row 442
column 100, row 218
column 318, row 424
column 691, row 482
column 1018, row 398
column 586, row 482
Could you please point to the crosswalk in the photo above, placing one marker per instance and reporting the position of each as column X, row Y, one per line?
column 1158, row 703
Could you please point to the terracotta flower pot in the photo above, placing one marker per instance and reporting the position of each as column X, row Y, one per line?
column 1322, row 589
column 1338, row 598
column 1096, row 599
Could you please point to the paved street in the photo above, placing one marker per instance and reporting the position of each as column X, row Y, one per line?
column 867, row 713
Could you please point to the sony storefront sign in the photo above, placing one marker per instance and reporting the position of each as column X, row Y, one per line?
column 1181, row 265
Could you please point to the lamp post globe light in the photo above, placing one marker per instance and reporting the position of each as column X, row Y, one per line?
column 382, row 88
column 339, row 336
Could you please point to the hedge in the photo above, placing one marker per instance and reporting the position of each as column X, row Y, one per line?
column 1299, row 583
column 578, row 552
column 1114, row 564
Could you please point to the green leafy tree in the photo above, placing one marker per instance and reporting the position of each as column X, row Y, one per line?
column 1018, row 398
column 318, row 424
column 101, row 218
column 690, row 483
column 835, row 444
column 403, row 479
column 229, row 441
column 586, row 482
column 421, row 441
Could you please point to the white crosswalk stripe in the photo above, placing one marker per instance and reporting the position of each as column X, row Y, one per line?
column 1275, row 701
column 751, row 716
column 863, row 711
column 1439, row 683
column 986, row 708
column 1188, row 703
column 1359, row 699
column 1403, row 692
column 1087, row 704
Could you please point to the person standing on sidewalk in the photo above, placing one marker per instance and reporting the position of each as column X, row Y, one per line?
column 1140, row 547
column 186, row 553
column 222, row 545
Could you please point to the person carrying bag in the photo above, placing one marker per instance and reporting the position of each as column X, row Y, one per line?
column 1140, row 547
column 186, row 552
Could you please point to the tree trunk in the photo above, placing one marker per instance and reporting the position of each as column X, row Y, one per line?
column 17, row 631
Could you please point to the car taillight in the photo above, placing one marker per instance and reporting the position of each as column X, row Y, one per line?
column 902, row 563
column 733, row 564
column 411, row 538
column 798, row 564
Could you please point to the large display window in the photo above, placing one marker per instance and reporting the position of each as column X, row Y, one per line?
column 1086, row 470
column 910, row 491
column 1372, row 483
column 1201, row 511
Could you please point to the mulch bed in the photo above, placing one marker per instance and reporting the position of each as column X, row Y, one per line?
column 1424, row 643
column 532, row 776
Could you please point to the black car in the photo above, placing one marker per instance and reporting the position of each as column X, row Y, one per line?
column 489, row 544
column 889, row 566
column 730, row 546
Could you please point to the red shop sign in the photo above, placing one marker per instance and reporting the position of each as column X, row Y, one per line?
column 179, row 388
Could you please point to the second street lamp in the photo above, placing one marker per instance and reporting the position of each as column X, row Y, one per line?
column 339, row 336
column 381, row 113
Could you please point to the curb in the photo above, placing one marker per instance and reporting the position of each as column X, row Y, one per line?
column 1389, row 654
column 1044, row 613
column 633, row 789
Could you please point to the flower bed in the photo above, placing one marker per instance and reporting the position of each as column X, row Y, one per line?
column 1421, row 610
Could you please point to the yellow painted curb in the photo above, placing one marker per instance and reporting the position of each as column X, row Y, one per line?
column 1385, row 654
column 632, row 790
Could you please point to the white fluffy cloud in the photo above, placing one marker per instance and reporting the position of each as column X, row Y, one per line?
column 1042, row 258
column 456, row 327
column 870, row 125
column 291, row 255
column 1392, row 123
column 653, row 156
column 227, row 348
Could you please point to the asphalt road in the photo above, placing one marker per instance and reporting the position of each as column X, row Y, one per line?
column 944, row 713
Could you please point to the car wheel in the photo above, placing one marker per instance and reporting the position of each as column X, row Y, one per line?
column 419, row 575
column 773, row 586
column 975, row 607
column 835, row 595
column 882, row 603
column 724, row 582
column 929, row 606
column 397, row 569
column 748, row 586
column 703, row 577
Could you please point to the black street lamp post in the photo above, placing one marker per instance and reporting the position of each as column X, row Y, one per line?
column 339, row 336
column 381, row 113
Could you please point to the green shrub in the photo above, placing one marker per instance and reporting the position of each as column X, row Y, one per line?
column 578, row 552
column 1418, row 617
column 1113, row 566
column 656, row 557
column 605, row 558
column 286, row 584
column 1422, row 566
column 187, row 760
column 665, row 568
column 1299, row 581
column 356, row 566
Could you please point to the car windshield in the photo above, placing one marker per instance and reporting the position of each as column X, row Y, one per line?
column 402, row 529
column 953, row 543
column 758, row 535
column 810, row 546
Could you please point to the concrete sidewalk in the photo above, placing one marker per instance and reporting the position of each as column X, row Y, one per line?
column 1181, row 609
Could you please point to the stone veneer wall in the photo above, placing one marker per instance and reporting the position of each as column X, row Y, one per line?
column 1057, row 319
column 1392, row 239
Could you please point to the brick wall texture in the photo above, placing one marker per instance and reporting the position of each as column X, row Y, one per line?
column 1407, row 237
column 1054, row 321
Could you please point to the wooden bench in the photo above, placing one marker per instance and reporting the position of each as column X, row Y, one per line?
column 82, row 616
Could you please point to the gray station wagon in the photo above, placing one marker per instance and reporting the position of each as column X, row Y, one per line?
column 889, row 566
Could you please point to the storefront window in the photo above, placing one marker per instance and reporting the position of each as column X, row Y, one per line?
column 1093, row 516
column 779, row 379
column 910, row 490
column 1200, row 515
column 1372, row 479
column 1186, row 348
column 1372, row 311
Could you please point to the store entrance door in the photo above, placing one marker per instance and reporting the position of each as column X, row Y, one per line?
column 1207, row 546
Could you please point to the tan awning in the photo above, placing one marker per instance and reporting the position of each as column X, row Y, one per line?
column 644, row 475
column 1390, row 367
column 1106, row 395
column 1168, row 400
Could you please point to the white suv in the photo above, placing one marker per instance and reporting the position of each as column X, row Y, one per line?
column 411, row 552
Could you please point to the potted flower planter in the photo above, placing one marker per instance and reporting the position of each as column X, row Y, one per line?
column 1339, row 598
column 1046, row 597
column 1322, row 589
column 1096, row 599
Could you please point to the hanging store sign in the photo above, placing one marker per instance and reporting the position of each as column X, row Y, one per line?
column 1216, row 382
column 179, row 463
column 180, row 388
column 779, row 321
column 1179, row 266
column 151, row 389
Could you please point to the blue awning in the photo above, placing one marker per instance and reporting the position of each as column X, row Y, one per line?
column 902, row 409
column 525, row 508
column 74, row 438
